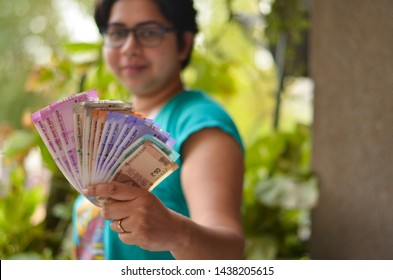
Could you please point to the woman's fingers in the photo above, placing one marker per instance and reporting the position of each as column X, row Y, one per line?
column 121, row 226
column 116, row 210
column 114, row 190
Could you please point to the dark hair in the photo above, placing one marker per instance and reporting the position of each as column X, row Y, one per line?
column 180, row 13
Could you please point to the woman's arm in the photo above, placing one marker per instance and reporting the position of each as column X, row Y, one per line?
column 212, row 178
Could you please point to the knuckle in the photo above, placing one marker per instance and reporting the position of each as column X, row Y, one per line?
column 143, row 214
column 113, row 225
column 105, row 213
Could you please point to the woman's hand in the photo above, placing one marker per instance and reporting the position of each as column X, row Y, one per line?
column 146, row 222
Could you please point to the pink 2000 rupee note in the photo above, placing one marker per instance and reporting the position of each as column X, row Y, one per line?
column 49, row 142
column 54, row 128
column 62, row 112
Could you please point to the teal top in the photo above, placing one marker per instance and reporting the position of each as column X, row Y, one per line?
column 185, row 114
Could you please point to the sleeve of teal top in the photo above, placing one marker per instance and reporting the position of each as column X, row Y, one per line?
column 205, row 115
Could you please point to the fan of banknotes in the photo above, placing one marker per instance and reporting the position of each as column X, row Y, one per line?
column 99, row 141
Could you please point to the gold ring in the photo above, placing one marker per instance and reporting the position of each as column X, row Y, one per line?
column 120, row 227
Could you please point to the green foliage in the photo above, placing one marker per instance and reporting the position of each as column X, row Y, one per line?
column 19, row 143
column 280, row 190
column 204, row 68
column 289, row 19
column 28, row 29
column 46, row 156
column 18, row 232
column 76, row 68
column 25, row 212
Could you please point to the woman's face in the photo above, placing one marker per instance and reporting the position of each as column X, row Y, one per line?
column 145, row 71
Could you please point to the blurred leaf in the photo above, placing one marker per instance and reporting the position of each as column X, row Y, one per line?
column 17, row 177
column 17, row 232
column 82, row 47
column 210, row 75
column 262, row 247
column 19, row 143
column 287, row 192
column 47, row 157
column 63, row 211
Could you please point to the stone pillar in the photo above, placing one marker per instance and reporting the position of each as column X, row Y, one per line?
column 351, row 63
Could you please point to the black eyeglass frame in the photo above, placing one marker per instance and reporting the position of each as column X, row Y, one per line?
column 134, row 31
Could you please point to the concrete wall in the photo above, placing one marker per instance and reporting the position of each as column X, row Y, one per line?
column 351, row 63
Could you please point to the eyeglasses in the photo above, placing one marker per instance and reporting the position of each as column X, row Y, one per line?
column 147, row 35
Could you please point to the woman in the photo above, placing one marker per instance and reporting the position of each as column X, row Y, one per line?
column 195, row 212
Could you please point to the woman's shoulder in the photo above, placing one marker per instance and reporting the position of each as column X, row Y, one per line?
column 194, row 98
column 196, row 103
column 194, row 110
